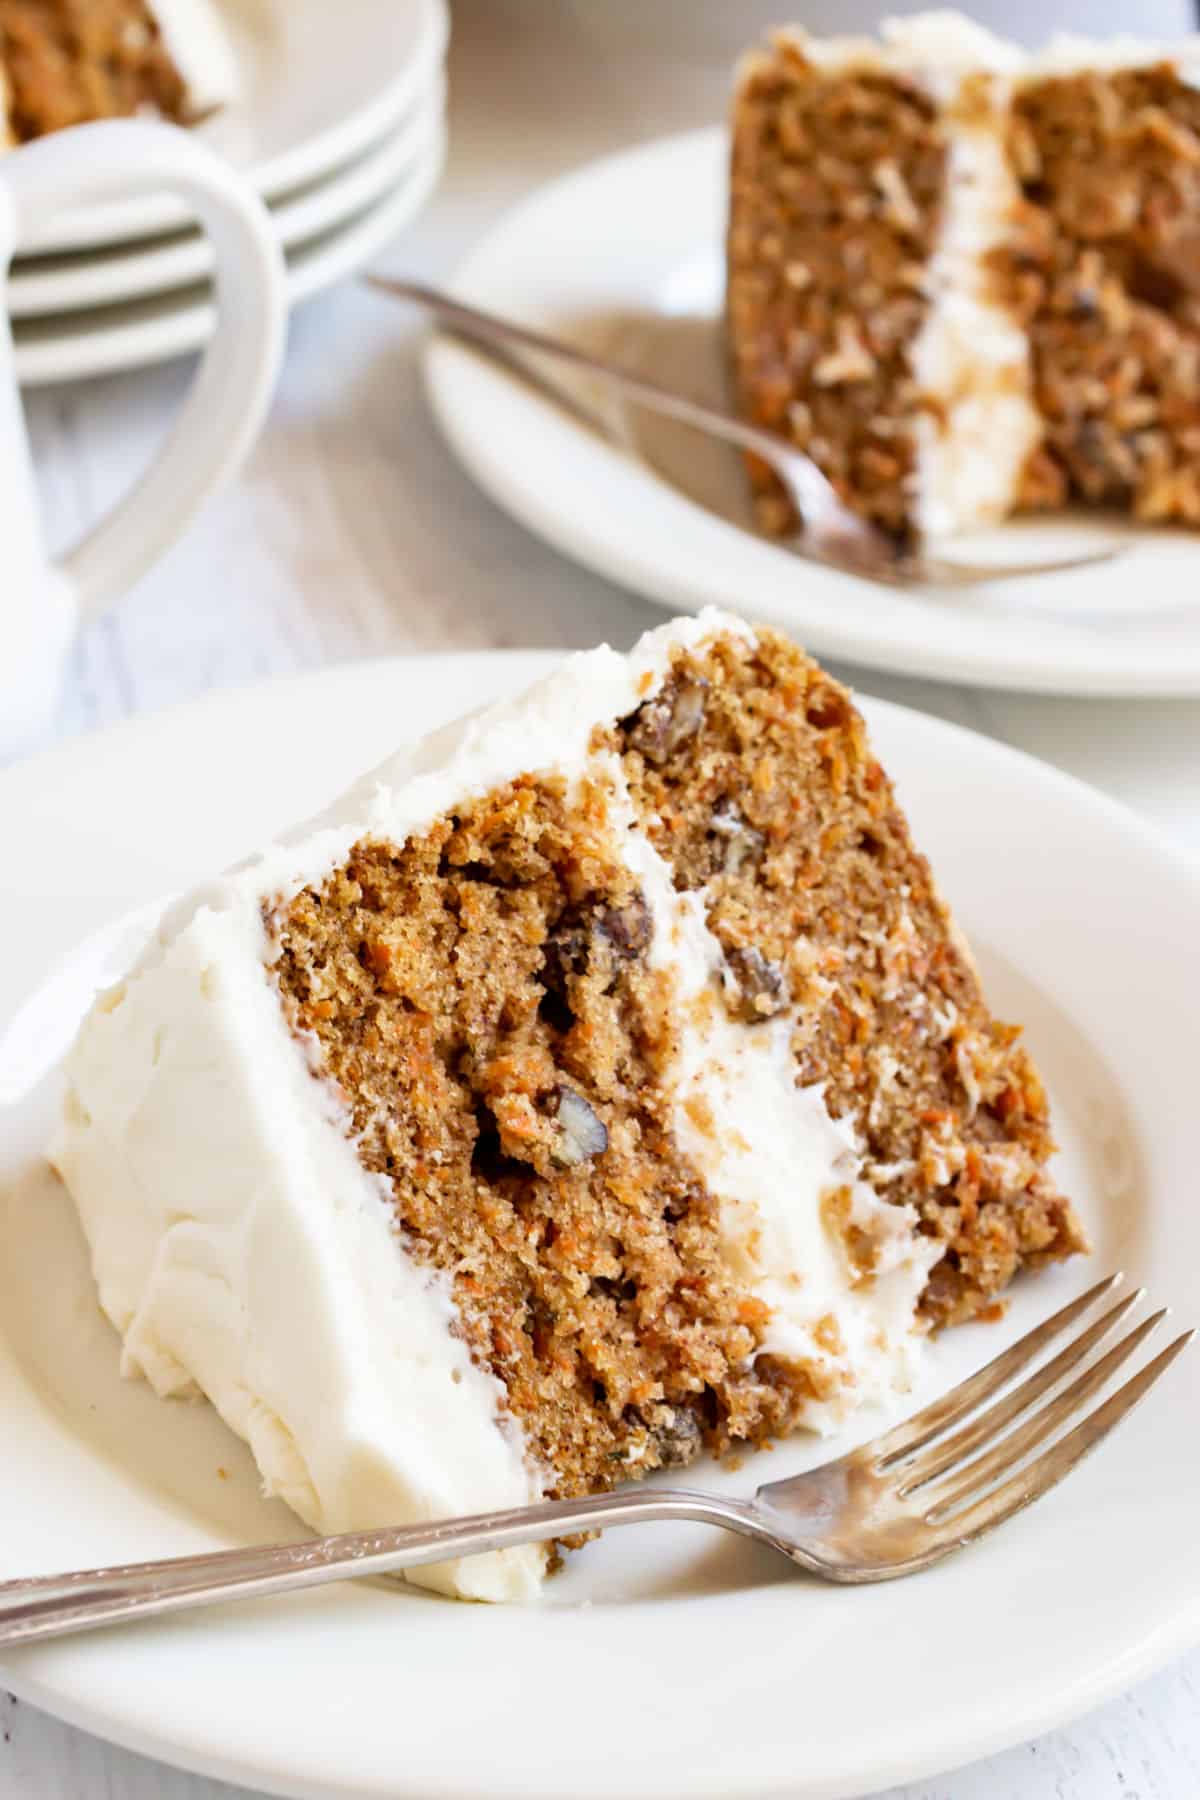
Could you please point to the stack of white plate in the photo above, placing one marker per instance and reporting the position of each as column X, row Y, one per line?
column 339, row 125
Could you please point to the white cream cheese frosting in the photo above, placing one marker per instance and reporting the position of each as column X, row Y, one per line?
column 239, row 1246
column 978, row 424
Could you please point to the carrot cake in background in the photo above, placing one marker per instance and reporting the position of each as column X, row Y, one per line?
column 601, row 1082
column 65, row 62
column 964, row 278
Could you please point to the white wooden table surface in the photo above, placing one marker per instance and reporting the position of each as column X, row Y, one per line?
column 352, row 533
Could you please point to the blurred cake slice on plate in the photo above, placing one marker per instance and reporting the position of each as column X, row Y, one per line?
column 65, row 62
column 965, row 278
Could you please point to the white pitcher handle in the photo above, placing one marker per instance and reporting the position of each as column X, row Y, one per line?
column 228, row 398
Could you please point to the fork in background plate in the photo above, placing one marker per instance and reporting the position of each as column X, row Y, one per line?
column 830, row 533
column 896, row 1505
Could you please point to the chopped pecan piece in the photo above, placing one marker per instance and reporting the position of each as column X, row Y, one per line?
column 759, row 986
column 742, row 842
column 581, row 1134
column 662, row 725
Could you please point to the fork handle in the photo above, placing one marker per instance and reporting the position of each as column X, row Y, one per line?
column 54, row 1605
column 804, row 475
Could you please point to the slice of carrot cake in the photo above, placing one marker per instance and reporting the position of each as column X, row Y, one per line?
column 965, row 278
column 601, row 1082
column 67, row 62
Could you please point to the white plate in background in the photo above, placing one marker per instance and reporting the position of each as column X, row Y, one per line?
column 625, row 256
column 698, row 1663
column 320, row 82
column 74, row 345
column 78, row 281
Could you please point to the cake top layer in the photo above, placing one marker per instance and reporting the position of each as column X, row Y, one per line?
column 547, row 728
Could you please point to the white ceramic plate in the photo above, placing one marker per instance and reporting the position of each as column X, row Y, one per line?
column 625, row 257
column 73, row 345
column 80, row 280
column 664, row 1661
column 319, row 83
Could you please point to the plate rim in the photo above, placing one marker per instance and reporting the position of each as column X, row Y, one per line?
column 458, row 378
column 324, row 151
column 1039, row 1713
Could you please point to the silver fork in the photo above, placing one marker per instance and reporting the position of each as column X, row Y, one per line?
column 830, row 533
column 896, row 1505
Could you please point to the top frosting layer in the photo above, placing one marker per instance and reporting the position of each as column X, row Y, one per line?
column 942, row 47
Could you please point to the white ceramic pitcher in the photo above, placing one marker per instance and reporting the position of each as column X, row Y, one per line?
column 42, row 601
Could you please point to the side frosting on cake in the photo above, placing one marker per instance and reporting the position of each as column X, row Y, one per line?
column 966, row 279
column 601, row 1082
column 67, row 62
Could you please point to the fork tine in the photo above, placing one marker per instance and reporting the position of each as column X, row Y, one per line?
column 903, row 1439
column 947, row 1453
column 1030, row 1484
column 1005, row 1455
